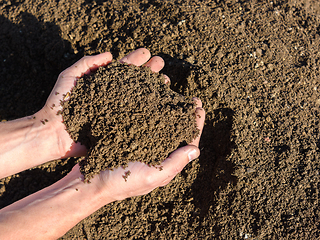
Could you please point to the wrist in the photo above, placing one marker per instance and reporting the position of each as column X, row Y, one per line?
column 66, row 202
column 27, row 142
column 49, row 129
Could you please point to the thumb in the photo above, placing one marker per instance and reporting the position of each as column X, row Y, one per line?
column 87, row 65
column 177, row 161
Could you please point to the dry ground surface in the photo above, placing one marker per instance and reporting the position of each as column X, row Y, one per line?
column 255, row 65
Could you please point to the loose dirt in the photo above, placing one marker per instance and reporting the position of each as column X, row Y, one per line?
column 125, row 113
column 254, row 64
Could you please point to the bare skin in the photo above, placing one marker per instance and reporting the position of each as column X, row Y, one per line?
column 33, row 140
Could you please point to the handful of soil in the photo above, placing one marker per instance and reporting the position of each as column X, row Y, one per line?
column 125, row 113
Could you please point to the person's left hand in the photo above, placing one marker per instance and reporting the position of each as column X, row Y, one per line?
column 67, row 79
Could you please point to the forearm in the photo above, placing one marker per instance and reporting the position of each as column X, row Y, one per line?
column 51, row 212
column 25, row 143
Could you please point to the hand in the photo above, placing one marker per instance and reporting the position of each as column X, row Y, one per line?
column 139, row 179
column 65, row 146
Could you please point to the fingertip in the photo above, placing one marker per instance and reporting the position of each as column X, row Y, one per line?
column 176, row 161
column 92, row 63
column 193, row 153
column 200, row 118
column 166, row 79
column 137, row 57
column 197, row 102
column 107, row 56
column 99, row 59
column 144, row 52
column 156, row 63
column 184, row 155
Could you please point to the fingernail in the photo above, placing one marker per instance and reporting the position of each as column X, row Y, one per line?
column 192, row 154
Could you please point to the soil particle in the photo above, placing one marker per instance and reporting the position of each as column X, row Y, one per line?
column 125, row 113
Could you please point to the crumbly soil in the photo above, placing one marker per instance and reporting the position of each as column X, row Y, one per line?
column 254, row 64
column 125, row 113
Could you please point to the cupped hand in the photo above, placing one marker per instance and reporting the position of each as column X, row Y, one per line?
column 139, row 179
column 67, row 79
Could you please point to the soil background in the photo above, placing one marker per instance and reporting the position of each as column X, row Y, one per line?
column 254, row 64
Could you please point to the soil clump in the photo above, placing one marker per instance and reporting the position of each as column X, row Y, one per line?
column 125, row 113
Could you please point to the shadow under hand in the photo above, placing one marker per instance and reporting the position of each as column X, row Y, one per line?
column 216, row 144
column 30, row 181
column 178, row 71
column 32, row 56
column 215, row 171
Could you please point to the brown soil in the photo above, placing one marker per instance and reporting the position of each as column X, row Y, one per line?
column 255, row 66
column 125, row 113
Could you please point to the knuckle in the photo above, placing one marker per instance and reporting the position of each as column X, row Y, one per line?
column 150, row 179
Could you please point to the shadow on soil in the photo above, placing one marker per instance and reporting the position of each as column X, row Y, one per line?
column 215, row 145
column 178, row 71
column 215, row 171
column 31, row 181
column 32, row 56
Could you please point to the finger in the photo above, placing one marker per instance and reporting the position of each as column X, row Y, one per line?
column 197, row 102
column 88, row 64
column 176, row 162
column 200, row 117
column 166, row 79
column 137, row 57
column 156, row 63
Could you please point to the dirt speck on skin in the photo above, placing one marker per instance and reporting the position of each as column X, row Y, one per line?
column 125, row 113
